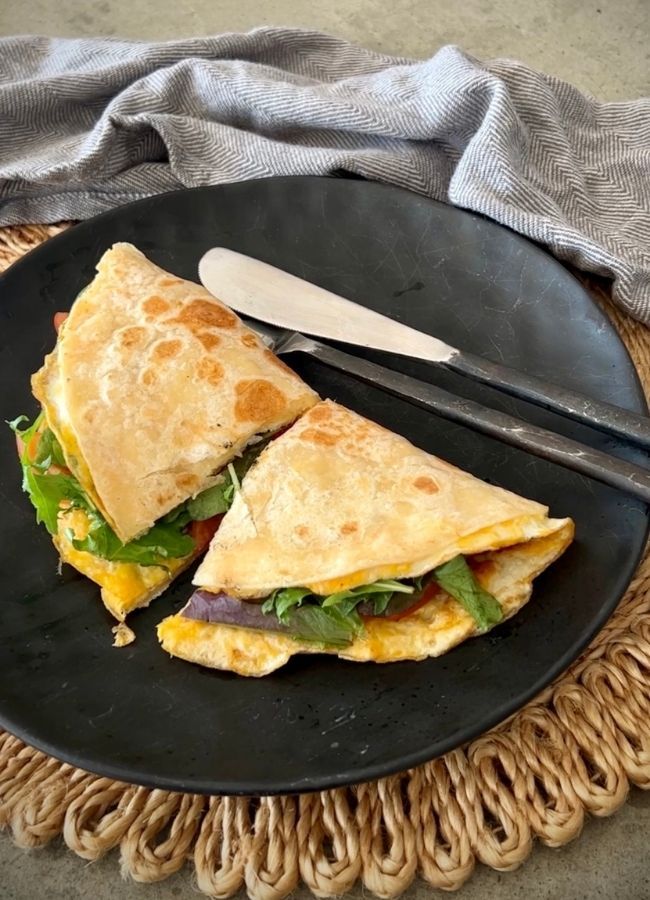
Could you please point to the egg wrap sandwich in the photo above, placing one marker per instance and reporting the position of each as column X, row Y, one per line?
column 154, row 402
column 345, row 538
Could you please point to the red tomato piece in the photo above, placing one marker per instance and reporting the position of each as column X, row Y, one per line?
column 203, row 532
column 428, row 593
column 59, row 319
column 32, row 447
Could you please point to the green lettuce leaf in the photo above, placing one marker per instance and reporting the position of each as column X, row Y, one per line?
column 459, row 581
column 379, row 593
column 166, row 540
column 334, row 619
column 284, row 599
column 324, row 626
column 49, row 452
column 46, row 492
column 162, row 542
column 218, row 498
column 25, row 434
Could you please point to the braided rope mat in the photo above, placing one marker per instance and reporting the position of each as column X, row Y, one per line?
column 572, row 751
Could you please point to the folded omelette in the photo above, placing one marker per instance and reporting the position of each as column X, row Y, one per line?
column 345, row 538
column 154, row 402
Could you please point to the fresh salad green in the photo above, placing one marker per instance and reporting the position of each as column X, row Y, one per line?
column 461, row 583
column 167, row 539
column 218, row 499
column 335, row 619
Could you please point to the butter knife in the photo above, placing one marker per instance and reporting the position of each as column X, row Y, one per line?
column 264, row 292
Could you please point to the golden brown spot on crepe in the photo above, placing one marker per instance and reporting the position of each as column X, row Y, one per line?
column 278, row 362
column 358, row 436
column 210, row 370
column 166, row 349
column 209, row 341
column 318, row 436
column 426, row 484
column 170, row 282
column 129, row 337
column 349, row 528
column 186, row 481
column 249, row 340
column 184, row 428
column 257, row 399
column 155, row 306
column 301, row 530
column 200, row 314
column 149, row 376
column 320, row 414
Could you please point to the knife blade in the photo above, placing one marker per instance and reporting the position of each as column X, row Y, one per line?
column 264, row 292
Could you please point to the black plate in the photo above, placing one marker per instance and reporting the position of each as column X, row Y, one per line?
column 137, row 715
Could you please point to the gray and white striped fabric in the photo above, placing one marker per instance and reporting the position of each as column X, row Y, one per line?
column 89, row 124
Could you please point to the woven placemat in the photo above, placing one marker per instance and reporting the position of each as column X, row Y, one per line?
column 571, row 752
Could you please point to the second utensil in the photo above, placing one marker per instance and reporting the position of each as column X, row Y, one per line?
column 540, row 442
column 272, row 295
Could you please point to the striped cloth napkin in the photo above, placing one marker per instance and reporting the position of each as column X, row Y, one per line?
column 86, row 125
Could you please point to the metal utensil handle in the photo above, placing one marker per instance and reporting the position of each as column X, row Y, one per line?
column 579, row 457
column 598, row 414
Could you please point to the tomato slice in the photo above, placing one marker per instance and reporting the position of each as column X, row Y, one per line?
column 32, row 451
column 32, row 447
column 59, row 319
column 203, row 532
column 430, row 591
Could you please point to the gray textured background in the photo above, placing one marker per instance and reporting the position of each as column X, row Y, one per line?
column 599, row 45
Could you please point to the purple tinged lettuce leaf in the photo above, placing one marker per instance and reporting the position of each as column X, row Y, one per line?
column 222, row 609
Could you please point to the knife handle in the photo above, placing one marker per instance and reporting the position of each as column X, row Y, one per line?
column 596, row 413
column 539, row 441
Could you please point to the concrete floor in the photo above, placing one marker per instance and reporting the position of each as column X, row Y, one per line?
column 599, row 45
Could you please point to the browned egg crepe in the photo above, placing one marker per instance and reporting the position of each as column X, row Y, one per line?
column 152, row 388
column 337, row 502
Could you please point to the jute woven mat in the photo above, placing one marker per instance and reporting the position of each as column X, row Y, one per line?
column 572, row 752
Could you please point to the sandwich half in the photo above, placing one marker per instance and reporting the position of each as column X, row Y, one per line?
column 154, row 402
column 344, row 538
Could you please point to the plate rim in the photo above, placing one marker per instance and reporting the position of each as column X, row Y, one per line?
column 358, row 774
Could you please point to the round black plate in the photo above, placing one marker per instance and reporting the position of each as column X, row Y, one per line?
column 137, row 715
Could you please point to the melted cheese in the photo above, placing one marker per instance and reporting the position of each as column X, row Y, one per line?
column 125, row 586
column 502, row 534
column 363, row 576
